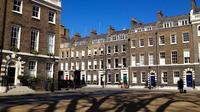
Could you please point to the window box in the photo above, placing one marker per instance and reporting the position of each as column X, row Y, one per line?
column 15, row 49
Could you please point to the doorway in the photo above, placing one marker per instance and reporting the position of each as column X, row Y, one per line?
column 125, row 79
column 189, row 79
column 11, row 76
column 153, row 80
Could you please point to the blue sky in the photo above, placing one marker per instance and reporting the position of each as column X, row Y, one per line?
column 84, row 15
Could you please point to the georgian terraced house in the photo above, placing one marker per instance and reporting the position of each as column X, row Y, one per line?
column 155, row 54
column 31, row 39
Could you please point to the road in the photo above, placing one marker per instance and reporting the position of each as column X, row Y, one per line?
column 102, row 100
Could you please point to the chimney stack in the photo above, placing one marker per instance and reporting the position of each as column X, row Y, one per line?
column 93, row 33
column 111, row 30
column 194, row 5
column 133, row 22
column 160, row 15
column 77, row 36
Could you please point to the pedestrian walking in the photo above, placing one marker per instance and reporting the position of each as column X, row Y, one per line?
column 180, row 85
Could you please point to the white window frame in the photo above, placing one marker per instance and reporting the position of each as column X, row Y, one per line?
column 162, row 61
column 49, row 70
column 134, row 79
column 149, row 42
column 186, row 54
column 176, row 79
column 83, row 53
column 151, row 59
column 54, row 17
column 72, row 66
column 133, row 60
column 36, row 35
column 161, row 41
column 95, row 51
column 18, row 35
column 142, row 77
column 109, row 65
column 89, row 64
column 95, row 64
column 162, row 77
column 20, row 9
column 72, row 54
column 51, row 44
column 61, row 66
column 116, row 78
column 140, row 42
column 77, row 65
column 82, row 65
column 172, row 57
column 171, row 42
column 66, row 66
column 109, row 81
column 142, row 60
column 33, row 71
column 36, row 17
column 77, row 54
column 133, row 46
column 183, row 37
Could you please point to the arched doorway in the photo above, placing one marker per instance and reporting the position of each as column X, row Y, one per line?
column 189, row 79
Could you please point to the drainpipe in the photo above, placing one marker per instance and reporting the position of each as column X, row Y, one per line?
column 3, row 33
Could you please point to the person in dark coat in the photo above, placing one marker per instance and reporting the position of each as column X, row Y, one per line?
column 180, row 85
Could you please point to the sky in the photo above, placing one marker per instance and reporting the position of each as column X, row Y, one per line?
column 82, row 16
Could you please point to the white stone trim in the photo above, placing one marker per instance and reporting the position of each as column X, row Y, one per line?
column 58, row 9
column 28, row 54
column 149, row 76
column 185, row 73
column 167, row 65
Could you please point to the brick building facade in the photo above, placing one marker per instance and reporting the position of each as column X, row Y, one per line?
column 31, row 39
column 155, row 54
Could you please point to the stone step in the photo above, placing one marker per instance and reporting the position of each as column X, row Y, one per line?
column 20, row 89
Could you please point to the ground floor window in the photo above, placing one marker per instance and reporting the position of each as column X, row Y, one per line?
column 134, row 80
column 117, row 78
column 33, row 68
column 164, row 78
column 176, row 76
column 109, row 78
column 143, row 77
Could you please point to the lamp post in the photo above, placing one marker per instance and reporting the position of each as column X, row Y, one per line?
column 55, row 60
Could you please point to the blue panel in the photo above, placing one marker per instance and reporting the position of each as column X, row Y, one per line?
column 153, row 81
column 189, row 80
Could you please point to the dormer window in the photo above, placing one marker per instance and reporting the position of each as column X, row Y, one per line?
column 183, row 22
column 168, row 24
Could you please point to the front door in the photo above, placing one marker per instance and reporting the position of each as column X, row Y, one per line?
column 125, row 79
column 189, row 79
column 153, row 81
column 11, row 76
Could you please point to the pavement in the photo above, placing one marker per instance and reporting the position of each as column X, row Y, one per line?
column 102, row 100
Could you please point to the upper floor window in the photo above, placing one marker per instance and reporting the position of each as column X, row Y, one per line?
column 101, row 51
column 173, row 39
column 174, row 57
column 83, row 53
column 89, row 52
column 186, row 55
column 36, row 12
column 52, row 17
column 141, row 59
column 183, row 22
column 150, row 42
column 151, row 59
column 95, row 52
column 141, row 42
column 15, row 36
column 34, row 40
column 162, row 40
column 186, row 37
column 162, row 58
column 124, row 62
column 17, row 6
column 124, row 48
column 51, row 43
column 109, row 50
column 116, row 49
column 133, row 43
